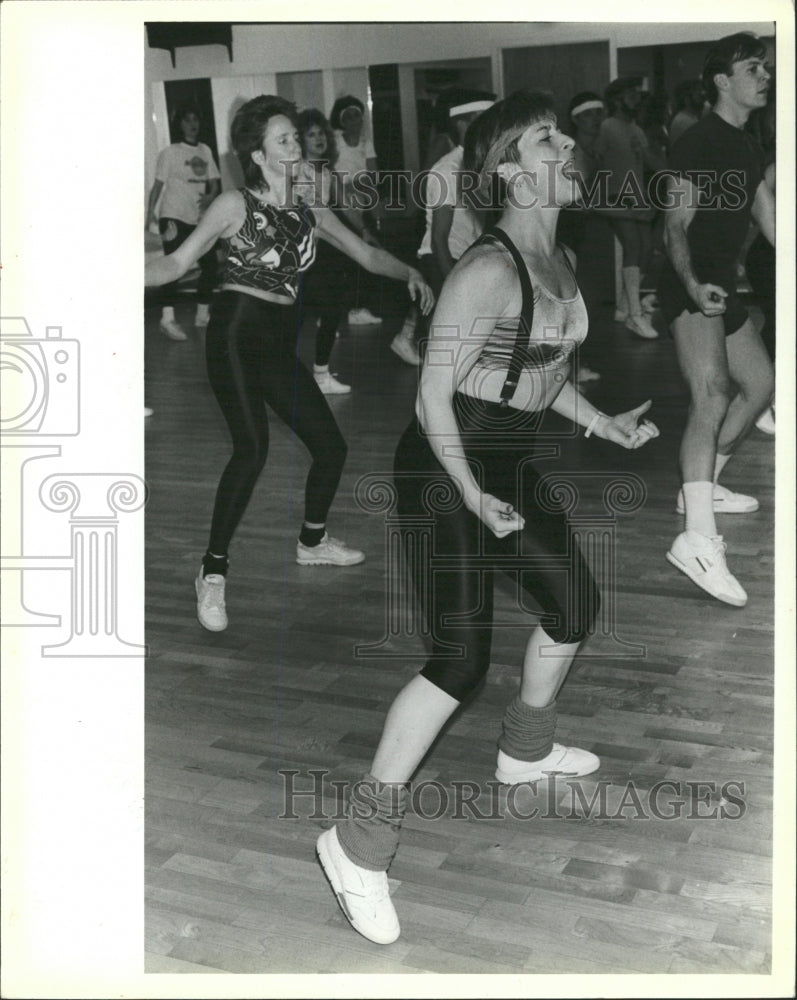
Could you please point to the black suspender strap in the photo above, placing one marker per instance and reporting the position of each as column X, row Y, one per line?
column 526, row 316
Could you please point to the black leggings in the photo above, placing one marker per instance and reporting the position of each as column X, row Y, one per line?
column 251, row 359
column 456, row 595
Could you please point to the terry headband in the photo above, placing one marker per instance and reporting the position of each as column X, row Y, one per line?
column 465, row 109
column 586, row 106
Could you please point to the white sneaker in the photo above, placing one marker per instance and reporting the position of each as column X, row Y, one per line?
column 649, row 303
column 210, row 609
column 405, row 349
column 642, row 327
column 329, row 385
column 702, row 559
column 567, row 761
column 364, row 896
column 328, row 552
column 585, row 374
column 766, row 422
column 362, row 317
column 202, row 317
column 725, row 502
column 173, row 330
column 148, row 411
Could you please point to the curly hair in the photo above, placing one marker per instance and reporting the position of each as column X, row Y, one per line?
column 249, row 128
column 349, row 101
column 306, row 120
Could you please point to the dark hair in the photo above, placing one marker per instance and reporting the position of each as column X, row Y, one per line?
column 249, row 127
column 183, row 110
column 492, row 138
column 724, row 53
column 685, row 94
column 349, row 101
column 450, row 98
column 305, row 121
column 614, row 92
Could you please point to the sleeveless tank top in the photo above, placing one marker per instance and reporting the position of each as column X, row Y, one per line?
column 545, row 334
column 272, row 247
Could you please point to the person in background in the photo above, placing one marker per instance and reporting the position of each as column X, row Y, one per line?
column 187, row 178
column 720, row 352
column 356, row 156
column 269, row 229
column 586, row 112
column 508, row 318
column 624, row 152
column 690, row 101
column 451, row 225
column 760, row 260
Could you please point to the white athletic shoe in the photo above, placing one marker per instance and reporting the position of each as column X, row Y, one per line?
column 649, row 303
column 328, row 552
column 766, row 422
column 329, row 385
column 702, row 559
column 148, row 411
column 405, row 349
column 642, row 327
column 173, row 330
column 362, row 317
column 210, row 609
column 567, row 761
column 364, row 896
column 725, row 502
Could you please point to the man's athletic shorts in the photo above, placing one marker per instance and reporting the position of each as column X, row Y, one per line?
column 674, row 298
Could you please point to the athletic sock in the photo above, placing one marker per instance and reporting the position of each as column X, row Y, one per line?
column 699, row 505
column 310, row 537
column 320, row 369
column 168, row 313
column 214, row 564
column 369, row 835
column 527, row 731
column 719, row 464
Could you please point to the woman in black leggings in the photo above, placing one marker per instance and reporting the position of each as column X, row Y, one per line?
column 270, row 228
column 509, row 316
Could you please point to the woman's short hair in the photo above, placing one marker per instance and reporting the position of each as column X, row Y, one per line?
column 306, row 120
column 724, row 53
column 492, row 139
column 348, row 101
column 182, row 111
column 249, row 128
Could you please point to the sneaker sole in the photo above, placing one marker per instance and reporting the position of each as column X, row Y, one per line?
column 724, row 509
column 210, row 628
column 523, row 777
column 328, row 868
column 328, row 562
column 733, row 601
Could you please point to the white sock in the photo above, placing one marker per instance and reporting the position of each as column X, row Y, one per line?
column 168, row 313
column 203, row 309
column 719, row 464
column 320, row 369
column 699, row 505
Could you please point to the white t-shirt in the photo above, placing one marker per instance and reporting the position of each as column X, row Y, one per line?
column 352, row 159
column 442, row 189
column 184, row 171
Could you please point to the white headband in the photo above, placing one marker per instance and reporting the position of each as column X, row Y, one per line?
column 586, row 106
column 464, row 109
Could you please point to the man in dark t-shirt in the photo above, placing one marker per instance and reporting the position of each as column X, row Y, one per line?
column 715, row 189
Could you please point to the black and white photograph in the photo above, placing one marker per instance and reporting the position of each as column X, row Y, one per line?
column 398, row 511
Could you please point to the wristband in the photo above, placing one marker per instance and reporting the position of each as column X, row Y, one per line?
column 592, row 424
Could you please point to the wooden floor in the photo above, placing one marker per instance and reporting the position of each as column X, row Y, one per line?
column 233, row 887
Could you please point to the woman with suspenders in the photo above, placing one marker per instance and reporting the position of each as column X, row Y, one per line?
column 509, row 316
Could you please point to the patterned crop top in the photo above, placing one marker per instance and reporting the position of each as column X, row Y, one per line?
column 545, row 334
column 271, row 248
